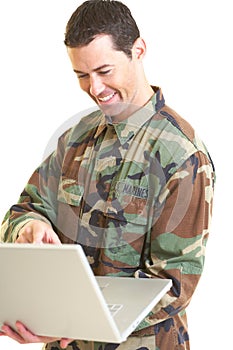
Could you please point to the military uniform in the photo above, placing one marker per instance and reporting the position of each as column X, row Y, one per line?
column 137, row 195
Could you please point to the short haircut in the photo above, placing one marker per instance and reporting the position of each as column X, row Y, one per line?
column 96, row 17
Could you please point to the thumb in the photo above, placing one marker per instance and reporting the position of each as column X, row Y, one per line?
column 64, row 342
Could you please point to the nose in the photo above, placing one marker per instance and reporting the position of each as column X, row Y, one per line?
column 96, row 85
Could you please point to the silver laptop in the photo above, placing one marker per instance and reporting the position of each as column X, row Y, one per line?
column 53, row 291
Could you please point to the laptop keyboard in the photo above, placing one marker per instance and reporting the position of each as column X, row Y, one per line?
column 114, row 308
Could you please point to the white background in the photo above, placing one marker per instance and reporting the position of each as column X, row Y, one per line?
column 189, row 56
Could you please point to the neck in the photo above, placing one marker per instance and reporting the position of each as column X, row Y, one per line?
column 124, row 111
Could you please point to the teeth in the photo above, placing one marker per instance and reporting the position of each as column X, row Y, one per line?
column 106, row 98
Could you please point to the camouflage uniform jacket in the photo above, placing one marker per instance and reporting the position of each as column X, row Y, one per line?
column 137, row 196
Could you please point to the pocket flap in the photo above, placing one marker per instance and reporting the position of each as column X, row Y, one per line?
column 70, row 192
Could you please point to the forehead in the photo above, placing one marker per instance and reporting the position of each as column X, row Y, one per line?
column 98, row 52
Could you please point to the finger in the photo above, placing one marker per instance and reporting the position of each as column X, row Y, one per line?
column 44, row 234
column 25, row 235
column 38, row 233
column 33, row 233
column 27, row 335
column 53, row 238
column 12, row 334
column 30, row 337
column 23, row 239
column 47, row 237
column 64, row 342
column 1, row 331
column 39, row 237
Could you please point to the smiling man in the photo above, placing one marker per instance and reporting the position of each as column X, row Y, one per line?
column 115, row 81
column 132, row 182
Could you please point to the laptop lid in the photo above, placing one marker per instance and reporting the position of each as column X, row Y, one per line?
column 53, row 291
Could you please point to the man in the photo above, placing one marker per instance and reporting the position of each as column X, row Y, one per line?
column 132, row 183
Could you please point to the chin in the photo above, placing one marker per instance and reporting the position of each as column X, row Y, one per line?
column 114, row 110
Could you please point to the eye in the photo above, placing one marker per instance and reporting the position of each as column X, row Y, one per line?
column 105, row 72
column 82, row 76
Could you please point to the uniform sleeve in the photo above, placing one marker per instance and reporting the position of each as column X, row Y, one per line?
column 179, row 235
column 38, row 199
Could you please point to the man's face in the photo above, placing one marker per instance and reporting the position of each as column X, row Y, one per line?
column 110, row 77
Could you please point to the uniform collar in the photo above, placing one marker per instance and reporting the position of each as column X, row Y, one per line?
column 127, row 128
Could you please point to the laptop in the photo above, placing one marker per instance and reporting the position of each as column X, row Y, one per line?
column 53, row 291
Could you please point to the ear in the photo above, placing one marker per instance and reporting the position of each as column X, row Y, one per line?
column 139, row 49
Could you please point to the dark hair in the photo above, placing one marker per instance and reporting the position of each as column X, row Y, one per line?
column 96, row 17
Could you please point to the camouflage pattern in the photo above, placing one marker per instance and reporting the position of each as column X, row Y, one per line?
column 132, row 343
column 137, row 196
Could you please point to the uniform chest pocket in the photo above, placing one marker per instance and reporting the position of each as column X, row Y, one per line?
column 133, row 201
column 127, row 221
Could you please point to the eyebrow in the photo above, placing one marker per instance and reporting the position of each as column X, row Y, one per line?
column 94, row 70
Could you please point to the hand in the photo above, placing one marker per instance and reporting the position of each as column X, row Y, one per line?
column 36, row 231
column 23, row 336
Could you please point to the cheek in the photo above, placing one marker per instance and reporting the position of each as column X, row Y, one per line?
column 128, row 78
column 123, row 83
column 128, row 86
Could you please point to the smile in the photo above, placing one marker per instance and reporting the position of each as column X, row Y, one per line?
column 106, row 98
